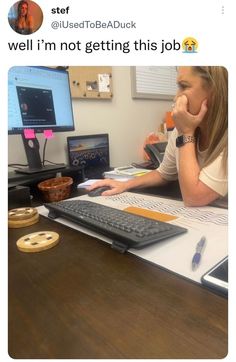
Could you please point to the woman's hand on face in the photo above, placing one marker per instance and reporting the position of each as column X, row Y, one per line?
column 186, row 122
column 116, row 187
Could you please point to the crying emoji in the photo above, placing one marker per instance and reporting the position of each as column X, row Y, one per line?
column 189, row 45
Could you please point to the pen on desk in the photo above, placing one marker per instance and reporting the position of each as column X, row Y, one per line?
column 198, row 253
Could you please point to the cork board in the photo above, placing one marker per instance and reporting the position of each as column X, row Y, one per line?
column 90, row 82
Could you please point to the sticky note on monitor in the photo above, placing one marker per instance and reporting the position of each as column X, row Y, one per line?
column 29, row 133
column 48, row 133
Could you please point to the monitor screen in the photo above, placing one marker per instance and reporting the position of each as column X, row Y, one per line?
column 90, row 151
column 39, row 98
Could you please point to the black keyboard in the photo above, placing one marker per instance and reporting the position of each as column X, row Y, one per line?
column 125, row 229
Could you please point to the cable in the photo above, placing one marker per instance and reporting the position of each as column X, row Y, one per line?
column 15, row 165
column 54, row 163
column 20, row 165
column 44, row 150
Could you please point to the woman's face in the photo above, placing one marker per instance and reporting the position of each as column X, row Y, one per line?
column 193, row 87
column 23, row 9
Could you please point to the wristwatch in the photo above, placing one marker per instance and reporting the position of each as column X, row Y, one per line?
column 181, row 140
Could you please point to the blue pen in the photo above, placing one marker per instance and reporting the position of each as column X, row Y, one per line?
column 198, row 253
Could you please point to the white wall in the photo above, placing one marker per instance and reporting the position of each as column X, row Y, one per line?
column 127, row 121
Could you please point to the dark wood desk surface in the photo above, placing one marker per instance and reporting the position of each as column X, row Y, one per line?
column 82, row 299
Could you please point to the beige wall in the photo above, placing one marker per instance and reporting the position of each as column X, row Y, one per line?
column 127, row 121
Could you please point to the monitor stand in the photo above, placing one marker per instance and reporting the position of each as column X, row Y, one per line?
column 30, row 171
column 31, row 146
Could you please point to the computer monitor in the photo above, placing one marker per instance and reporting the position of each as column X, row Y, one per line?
column 38, row 99
column 91, row 152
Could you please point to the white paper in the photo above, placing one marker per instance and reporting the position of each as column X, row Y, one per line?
column 176, row 253
column 85, row 184
column 104, row 83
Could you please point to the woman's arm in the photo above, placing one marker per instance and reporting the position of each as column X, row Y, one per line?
column 194, row 191
column 30, row 24
column 152, row 178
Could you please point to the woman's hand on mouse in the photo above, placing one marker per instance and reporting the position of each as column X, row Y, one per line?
column 186, row 122
column 116, row 187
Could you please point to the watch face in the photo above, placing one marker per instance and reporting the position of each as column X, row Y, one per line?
column 179, row 141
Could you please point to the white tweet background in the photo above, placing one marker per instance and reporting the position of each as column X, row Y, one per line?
column 209, row 21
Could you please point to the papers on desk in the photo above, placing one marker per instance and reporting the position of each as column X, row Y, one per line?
column 115, row 176
column 174, row 254
column 87, row 183
column 125, row 173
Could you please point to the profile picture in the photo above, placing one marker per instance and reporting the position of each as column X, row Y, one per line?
column 25, row 17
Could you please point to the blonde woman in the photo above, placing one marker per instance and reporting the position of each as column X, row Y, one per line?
column 24, row 22
column 197, row 150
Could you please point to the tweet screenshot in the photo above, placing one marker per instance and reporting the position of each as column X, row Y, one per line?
column 117, row 180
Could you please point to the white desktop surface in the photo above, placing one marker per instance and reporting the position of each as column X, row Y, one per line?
column 174, row 254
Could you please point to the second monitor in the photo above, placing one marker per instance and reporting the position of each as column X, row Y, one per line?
column 91, row 152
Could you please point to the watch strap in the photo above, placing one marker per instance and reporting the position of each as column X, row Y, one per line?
column 182, row 140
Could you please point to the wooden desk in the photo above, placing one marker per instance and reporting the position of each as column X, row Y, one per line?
column 82, row 299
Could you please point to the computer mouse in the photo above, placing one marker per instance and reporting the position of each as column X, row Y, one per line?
column 98, row 191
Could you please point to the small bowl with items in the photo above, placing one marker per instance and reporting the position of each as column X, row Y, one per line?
column 56, row 189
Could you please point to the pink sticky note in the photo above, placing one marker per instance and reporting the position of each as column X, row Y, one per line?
column 48, row 133
column 29, row 133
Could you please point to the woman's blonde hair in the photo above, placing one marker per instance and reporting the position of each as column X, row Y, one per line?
column 216, row 79
column 20, row 4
